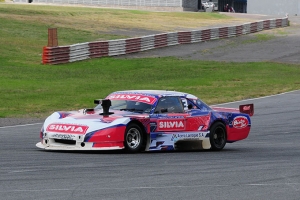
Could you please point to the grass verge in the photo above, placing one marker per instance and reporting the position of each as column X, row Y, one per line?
column 36, row 91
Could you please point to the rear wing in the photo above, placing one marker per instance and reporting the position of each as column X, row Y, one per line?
column 247, row 108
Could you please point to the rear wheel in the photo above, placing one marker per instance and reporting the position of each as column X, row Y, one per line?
column 217, row 136
column 134, row 138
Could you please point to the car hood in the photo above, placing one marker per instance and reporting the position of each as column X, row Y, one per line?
column 82, row 121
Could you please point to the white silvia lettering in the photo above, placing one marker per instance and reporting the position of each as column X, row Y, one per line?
column 65, row 128
column 174, row 124
column 134, row 97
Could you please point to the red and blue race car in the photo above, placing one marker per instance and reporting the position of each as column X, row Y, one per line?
column 146, row 120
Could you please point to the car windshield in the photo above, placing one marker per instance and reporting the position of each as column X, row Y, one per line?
column 126, row 105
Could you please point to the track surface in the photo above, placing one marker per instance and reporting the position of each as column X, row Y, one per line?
column 264, row 166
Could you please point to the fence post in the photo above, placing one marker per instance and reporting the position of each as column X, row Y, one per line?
column 52, row 37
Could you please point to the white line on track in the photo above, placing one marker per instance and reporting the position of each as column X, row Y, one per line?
column 257, row 98
column 155, row 187
column 20, row 125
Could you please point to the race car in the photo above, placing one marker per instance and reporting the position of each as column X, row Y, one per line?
column 146, row 120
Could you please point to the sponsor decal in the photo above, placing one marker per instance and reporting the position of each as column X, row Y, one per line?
column 132, row 97
column 67, row 128
column 187, row 136
column 64, row 136
column 246, row 107
column 167, row 125
column 240, row 122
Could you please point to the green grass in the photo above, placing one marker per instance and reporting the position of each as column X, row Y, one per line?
column 38, row 90
column 99, row 21
column 259, row 38
column 30, row 89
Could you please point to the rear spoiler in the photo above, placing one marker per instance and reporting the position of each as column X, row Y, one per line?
column 247, row 108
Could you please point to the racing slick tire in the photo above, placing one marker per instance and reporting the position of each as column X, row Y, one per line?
column 135, row 139
column 217, row 136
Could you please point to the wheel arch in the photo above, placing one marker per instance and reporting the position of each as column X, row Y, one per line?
column 216, row 121
column 144, row 132
column 221, row 121
column 215, row 142
column 137, row 122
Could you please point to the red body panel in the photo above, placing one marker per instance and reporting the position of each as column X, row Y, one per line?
column 114, row 134
column 234, row 134
column 197, row 123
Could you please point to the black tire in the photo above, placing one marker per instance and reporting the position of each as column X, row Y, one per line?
column 135, row 139
column 218, row 136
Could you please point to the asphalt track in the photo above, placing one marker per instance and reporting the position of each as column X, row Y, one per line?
column 264, row 166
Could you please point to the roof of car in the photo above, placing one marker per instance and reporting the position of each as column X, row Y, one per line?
column 155, row 92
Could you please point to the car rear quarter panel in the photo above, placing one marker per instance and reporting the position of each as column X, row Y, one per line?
column 238, row 127
column 237, row 124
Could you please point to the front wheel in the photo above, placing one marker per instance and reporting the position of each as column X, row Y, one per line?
column 217, row 136
column 134, row 138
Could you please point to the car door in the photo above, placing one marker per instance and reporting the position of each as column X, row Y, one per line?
column 169, row 115
column 168, row 119
column 173, row 120
column 198, row 115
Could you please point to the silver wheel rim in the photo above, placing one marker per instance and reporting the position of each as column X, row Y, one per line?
column 133, row 138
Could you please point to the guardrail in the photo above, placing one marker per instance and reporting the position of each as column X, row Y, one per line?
column 98, row 49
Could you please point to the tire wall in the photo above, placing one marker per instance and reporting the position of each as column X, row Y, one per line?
column 98, row 49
